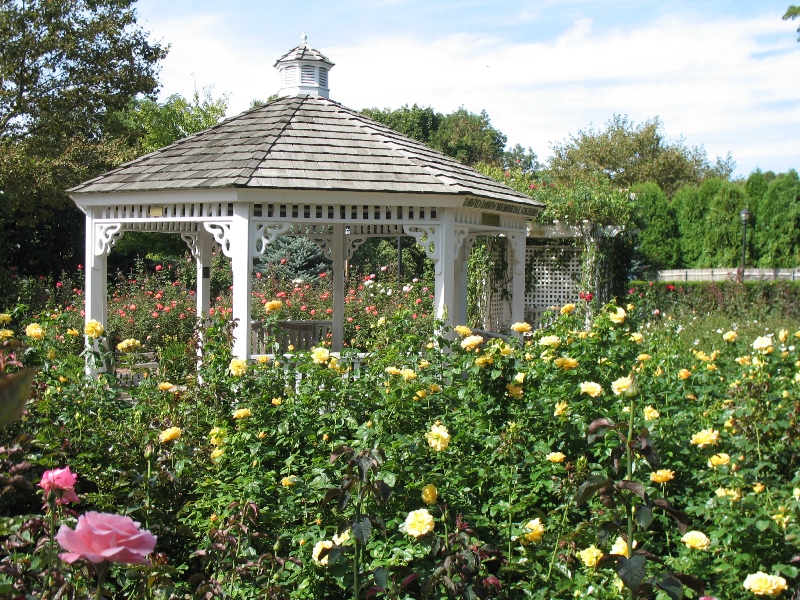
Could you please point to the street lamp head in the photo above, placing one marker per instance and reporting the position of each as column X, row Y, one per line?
column 745, row 215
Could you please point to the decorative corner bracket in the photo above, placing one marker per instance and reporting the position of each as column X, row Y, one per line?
column 222, row 235
column 266, row 233
column 105, row 236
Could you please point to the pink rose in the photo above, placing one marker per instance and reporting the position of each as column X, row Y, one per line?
column 101, row 537
column 62, row 482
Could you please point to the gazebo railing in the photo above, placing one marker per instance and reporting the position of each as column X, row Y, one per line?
column 300, row 335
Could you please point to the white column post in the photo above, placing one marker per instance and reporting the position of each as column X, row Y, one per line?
column 339, row 253
column 242, row 266
column 461, row 271
column 205, row 243
column 445, row 290
column 96, row 272
column 516, row 243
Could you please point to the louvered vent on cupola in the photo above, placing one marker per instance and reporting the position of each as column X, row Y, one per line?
column 304, row 70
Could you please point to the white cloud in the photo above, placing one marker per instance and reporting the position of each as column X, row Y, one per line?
column 724, row 84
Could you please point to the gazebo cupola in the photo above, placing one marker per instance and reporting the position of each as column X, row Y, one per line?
column 304, row 71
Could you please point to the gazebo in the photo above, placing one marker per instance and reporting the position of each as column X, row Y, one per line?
column 303, row 165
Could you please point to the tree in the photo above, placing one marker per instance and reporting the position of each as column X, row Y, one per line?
column 465, row 136
column 776, row 223
column 151, row 125
column 792, row 12
column 659, row 237
column 65, row 69
column 629, row 154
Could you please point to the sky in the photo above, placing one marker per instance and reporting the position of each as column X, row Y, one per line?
column 721, row 74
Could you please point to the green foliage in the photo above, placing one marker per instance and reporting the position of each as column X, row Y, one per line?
column 629, row 154
column 293, row 257
column 659, row 237
column 467, row 137
column 151, row 125
column 776, row 223
column 792, row 12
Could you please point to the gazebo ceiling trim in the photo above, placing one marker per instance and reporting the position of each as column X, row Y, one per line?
column 302, row 144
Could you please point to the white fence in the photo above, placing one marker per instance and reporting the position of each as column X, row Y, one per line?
column 729, row 275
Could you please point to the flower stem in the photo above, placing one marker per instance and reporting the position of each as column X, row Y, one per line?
column 629, row 477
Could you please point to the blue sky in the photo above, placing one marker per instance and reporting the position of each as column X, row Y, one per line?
column 719, row 74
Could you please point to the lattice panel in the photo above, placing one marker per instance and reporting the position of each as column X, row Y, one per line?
column 553, row 272
column 552, row 275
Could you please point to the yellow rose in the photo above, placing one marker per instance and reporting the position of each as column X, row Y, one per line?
column 618, row 316
column 273, row 305
column 463, row 330
column 424, row 364
column 552, row 341
column 684, row 374
column 94, row 329
column 643, row 357
column 341, row 540
column 408, row 374
column 237, row 367
column 758, row 487
column 323, row 546
column 438, row 437
column 514, row 391
column 781, row 519
column 320, row 355
column 719, row 460
column 555, row 457
column 591, row 388
column 277, row 401
column 782, row 335
column 242, row 413
column 763, row 344
column 165, row 386
column 35, row 331
column 730, row 336
column 289, row 481
column 421, row 394
column 435, row 387
column 650, row 413
column 484, row 359
column 637, row 338
column 520, row 327
column 392, row 370
column 73, row 332
column 706, row 437
column 430, row 494
column 263, row 434
column 561, row 408
column 620, row 385
column 5, row 334
column 129, row 345
column 216, row 453
column 662, row 476
column 471, row 342
column 696, row 540
column 590, row 556
column 5, row 318
column 762, row 584
column 621, row 547
column 169, row 434
column 535, row 532
column 263, row 359
column 418, row 523
column 565, row 363
column 567, row 309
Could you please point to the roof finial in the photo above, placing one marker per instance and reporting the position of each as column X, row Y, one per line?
column 303, row 39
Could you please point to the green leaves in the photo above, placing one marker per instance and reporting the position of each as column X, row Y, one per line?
column 15, row 389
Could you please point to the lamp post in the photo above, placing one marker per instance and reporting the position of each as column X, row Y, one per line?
column 745, row 215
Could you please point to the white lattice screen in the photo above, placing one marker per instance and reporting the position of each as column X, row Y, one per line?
column 552, row 275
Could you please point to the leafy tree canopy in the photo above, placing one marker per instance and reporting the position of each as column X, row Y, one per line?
column 629, row 154
column 792, row 12
column 151, row 125
column 67, row 65
column 467, row 137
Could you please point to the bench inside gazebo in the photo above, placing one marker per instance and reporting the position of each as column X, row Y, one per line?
column 303, row 165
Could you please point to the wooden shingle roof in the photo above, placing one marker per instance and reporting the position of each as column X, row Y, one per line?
column 301, row 143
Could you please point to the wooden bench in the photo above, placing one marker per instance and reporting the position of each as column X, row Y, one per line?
column 301, row 335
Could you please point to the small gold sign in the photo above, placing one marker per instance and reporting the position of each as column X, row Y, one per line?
column 490, row 219
column 156, row 211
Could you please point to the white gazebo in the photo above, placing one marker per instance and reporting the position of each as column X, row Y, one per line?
column 303, row 165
